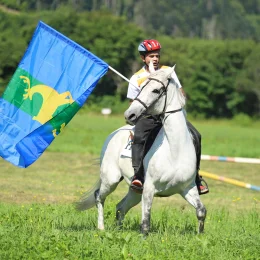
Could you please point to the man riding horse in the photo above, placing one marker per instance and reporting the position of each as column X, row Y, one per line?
column 148, row 126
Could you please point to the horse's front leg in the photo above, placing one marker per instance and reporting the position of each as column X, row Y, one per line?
column 192, row 196
column 147, row 200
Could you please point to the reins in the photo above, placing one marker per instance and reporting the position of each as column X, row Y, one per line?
column 163, row 92
column 170, row 112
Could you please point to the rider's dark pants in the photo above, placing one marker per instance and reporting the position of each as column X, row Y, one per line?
column 197, row 144
column 196, row 140
column 146, row 130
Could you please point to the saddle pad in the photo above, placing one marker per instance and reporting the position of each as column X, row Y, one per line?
column 127, row 151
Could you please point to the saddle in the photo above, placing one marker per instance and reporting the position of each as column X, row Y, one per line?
column 127, row 151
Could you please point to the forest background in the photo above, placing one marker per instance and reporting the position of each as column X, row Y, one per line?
column 215, row 44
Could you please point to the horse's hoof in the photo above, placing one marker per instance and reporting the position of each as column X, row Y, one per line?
column 201, row 228
column 145, row 231
column 101, row 228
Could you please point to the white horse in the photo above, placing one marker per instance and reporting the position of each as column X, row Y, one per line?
column 169, row 165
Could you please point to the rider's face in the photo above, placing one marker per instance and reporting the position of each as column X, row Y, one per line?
column 152, row 56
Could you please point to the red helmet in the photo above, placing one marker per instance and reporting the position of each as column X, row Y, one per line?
column 149, row 45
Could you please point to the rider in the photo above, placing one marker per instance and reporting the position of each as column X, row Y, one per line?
column 147, row 127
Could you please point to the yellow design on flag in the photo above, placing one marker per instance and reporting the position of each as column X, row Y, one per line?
column 51, row 100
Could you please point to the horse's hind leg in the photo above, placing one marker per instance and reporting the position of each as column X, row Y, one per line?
column 129, row 201
column 192, row 196
column 106, row 188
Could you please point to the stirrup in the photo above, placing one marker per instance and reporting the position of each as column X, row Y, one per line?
column 137, row 187
column 203, row 187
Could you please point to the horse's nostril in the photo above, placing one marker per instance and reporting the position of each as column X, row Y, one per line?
column 132, row 116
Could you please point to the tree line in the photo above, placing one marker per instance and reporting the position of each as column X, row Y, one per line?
column 209, row 19
column 220, row 77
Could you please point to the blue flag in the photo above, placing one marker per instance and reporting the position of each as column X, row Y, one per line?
column 52, row 82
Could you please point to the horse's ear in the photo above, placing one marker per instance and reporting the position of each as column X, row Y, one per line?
column 171, row 70
column 151, row 67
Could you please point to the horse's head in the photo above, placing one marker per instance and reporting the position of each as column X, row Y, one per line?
column 156, row 92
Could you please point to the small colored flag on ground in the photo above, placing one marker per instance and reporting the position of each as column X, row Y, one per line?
column 51, row 83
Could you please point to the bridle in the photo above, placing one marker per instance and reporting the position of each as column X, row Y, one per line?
column 162, row 92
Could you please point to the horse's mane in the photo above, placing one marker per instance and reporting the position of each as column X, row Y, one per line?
column 181, row 97
column 179, row 93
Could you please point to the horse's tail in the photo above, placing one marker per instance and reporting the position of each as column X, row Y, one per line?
column 88, row 199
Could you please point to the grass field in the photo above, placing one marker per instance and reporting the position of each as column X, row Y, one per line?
column 38, row 221
column 86, row 134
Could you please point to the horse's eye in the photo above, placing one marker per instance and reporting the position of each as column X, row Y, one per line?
column 156, row 91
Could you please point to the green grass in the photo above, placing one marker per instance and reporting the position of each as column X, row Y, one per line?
column 38, row 221
column 86, row 134
column 226, row 138
column 58, row 232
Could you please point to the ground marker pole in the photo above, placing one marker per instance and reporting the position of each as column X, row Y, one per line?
column 230, row 181
column 230, row 159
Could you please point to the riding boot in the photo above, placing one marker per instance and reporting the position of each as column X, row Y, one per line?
column 137, row 161
column 202, row 189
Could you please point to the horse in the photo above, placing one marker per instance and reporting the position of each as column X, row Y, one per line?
column 169, row 165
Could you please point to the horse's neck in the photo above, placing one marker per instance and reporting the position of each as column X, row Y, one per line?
column 175, row 126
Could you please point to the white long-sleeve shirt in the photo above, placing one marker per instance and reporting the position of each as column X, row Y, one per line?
column 139, row 77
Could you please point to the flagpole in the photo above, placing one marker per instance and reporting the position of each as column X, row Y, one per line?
column 118, row 73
